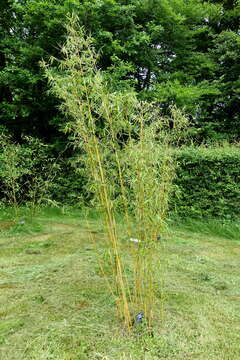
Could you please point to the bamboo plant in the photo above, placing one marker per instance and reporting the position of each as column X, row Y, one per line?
column 127, row 148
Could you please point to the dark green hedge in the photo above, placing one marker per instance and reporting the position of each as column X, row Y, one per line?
column 207, row 183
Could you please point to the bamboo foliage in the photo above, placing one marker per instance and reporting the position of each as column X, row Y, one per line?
column 128, row 156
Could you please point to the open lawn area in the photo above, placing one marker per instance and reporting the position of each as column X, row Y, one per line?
column 55, row 304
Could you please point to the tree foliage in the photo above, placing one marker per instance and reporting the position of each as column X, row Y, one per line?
column 171, row 51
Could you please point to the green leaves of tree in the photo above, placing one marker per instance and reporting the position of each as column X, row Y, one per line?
column 168, row 50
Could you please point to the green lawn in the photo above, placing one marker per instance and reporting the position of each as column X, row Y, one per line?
column 54, row 303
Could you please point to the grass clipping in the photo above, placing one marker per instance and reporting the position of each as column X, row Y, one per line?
column 127, row 148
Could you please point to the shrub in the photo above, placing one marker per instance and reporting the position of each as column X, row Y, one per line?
column 26, row 172
column 207, row 182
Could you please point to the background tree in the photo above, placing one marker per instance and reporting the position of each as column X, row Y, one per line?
column 30, row 30
column 175, row 51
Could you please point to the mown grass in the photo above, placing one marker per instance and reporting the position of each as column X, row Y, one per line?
column 54, row 303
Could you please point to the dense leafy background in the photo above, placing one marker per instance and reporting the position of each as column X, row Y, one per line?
column 171, row 51
column 207, row 183
column 183, row 52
